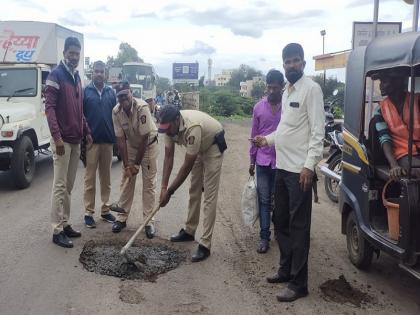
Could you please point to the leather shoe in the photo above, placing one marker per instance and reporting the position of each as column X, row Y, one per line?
column 150, row 231
column 68, row 230
column 182, row 236
column 201, row 254
column 62, row 240
column 289, row 295
column 278, row 278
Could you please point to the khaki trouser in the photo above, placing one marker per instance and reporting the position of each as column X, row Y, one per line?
column 205, row 174
column 149, row 176
column 98, row 157
column 65, row 168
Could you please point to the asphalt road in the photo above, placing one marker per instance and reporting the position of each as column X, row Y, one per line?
column 37, row 277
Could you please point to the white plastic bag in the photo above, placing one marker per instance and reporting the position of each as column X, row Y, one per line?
column 249, row 202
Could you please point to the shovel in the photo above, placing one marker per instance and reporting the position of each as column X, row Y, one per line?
column 123, row 252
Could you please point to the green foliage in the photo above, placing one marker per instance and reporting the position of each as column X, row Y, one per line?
column 163, row 84
column 226, row 103
column 258, row 90
column 338, row 112
column 244, row 73
column 331, row 84
column 126, row 53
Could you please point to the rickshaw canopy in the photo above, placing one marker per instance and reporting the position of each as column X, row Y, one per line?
column 401, row 50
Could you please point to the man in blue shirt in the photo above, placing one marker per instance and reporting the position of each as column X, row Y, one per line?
column 98, row 102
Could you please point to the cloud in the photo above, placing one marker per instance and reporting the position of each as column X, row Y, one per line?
column 150, row 15
column 359, row 3
column 199, row 48
column 30, row 4
column 74, row 18
column 249, row 21
column 98, row 35
column 102, row 8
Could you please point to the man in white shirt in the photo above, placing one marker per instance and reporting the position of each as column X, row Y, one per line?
column 298, row 142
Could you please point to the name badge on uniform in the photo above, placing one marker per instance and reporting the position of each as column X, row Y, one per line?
column 294, row 104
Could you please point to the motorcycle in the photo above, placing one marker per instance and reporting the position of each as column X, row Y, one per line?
column 332, row 170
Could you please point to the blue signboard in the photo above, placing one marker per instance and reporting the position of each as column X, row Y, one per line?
column 185, row 71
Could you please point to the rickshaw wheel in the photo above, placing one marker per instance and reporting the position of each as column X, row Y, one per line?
column 360, row 251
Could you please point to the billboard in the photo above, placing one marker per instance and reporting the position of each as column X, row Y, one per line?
column 363, row 31
column 185, row 72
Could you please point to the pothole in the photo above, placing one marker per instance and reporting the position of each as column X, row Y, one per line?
column 103, row 257
column 340, row 291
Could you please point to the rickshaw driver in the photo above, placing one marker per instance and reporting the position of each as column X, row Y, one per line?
column 392, row 119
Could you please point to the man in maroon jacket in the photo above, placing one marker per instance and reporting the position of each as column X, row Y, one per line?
column 64, row 110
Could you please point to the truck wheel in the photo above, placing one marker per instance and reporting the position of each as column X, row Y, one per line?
column 360, row 251
column 332, row 186
column 23, row 162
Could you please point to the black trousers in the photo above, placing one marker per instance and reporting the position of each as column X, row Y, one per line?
column 292, row 226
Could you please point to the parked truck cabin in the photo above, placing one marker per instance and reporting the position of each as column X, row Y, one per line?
column 28, row 52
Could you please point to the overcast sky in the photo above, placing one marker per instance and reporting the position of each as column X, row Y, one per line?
column 230, row 32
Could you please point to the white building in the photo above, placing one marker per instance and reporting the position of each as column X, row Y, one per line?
column 223, row 78
column 247, row 86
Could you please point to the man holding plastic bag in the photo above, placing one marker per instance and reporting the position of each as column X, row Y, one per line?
column 265, row 119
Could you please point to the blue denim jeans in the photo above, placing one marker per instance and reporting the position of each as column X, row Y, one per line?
column 265, row 189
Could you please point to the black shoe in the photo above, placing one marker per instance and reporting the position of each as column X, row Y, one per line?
column 278, row 278
column 90, row 222
column 117, row 226
column 182, row 236
column 68, row 230
column 201, row 254
column 263, row 247
column 289, row 295
column 150, row 231
column 62, row 240
column 116, row 208
column 108, row 217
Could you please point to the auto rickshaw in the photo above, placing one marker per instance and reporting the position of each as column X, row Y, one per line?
column 366, row 219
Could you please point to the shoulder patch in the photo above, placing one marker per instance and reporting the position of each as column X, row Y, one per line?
column 143, row 119
column 191, row 140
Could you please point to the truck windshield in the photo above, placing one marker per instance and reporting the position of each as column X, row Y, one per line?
column 139, row 74
column 18, row 82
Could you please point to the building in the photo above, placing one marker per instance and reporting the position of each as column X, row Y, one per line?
column 223, row 78
column 247, row 86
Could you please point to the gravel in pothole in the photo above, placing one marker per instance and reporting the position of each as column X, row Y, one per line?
column 104, row 258
column 340, row 291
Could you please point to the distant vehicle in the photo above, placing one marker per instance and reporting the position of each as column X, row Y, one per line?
column 28, row 52
column 141, row 74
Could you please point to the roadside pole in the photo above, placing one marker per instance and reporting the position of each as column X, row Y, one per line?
column 416, row 15
column 374, row 33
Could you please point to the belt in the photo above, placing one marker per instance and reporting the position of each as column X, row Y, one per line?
column 155, row 139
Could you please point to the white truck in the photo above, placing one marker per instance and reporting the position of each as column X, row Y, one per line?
column 28, row 52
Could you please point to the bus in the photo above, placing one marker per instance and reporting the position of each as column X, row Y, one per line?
column 141, row 77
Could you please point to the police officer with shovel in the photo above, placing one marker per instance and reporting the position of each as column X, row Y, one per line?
column 203, row 138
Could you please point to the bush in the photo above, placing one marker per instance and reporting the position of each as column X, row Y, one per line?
column 224, row 102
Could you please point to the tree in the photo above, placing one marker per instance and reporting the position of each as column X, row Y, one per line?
column 258, row 90
column 126, row 53
column 243, row 73
column 163, row 84
column 201, row 81
column 331, row 84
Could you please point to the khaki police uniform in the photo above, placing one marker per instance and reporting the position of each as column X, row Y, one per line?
column 197, row 133
column 139, row 123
